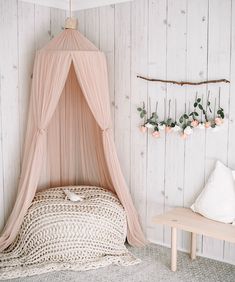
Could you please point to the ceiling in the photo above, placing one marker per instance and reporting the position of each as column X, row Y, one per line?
column 76, row 4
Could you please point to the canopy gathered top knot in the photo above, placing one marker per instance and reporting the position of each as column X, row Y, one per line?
column 69, row 139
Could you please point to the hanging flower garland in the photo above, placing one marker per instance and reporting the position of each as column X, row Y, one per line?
column 199, row 118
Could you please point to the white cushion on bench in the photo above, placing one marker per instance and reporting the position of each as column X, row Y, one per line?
column 217, row 200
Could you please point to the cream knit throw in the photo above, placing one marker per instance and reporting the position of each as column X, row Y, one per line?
column 58, row 234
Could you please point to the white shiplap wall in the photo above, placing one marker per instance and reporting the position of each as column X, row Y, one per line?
column 174, row 39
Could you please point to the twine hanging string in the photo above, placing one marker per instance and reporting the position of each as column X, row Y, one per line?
column 202, row 104
column 150, row 111
column 156, row 108
column 164, row 108
column 215, row 108
column 219, row 96
column 175, row 109
column 169, row 108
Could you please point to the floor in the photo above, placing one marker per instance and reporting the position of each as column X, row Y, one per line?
column 153, row 268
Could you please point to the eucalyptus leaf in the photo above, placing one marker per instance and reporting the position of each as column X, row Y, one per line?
column 195, row 104
column 139, row 109
column 200, row 107
column 198, row 100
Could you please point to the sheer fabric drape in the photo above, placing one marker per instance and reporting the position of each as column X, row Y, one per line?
column 97, row 95
column 50, row 73
column 69, row 138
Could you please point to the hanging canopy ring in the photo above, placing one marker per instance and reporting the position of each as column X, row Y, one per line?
column 70, row 23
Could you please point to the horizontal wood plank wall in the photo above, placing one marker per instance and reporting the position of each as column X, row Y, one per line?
column 183, row 39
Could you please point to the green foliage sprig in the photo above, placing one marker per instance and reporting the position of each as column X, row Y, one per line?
column 142, row 111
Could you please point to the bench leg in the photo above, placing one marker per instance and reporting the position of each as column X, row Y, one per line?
column 193, row 245
column 173, row 248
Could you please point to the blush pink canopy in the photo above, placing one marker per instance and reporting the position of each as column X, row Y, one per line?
column 69, row 139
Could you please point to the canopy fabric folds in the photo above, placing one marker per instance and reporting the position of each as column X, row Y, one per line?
column 69, row 137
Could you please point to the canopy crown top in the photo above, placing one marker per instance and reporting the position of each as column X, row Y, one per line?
column 70, row 23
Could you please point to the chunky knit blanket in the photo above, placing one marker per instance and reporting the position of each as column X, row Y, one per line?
column 58, row 234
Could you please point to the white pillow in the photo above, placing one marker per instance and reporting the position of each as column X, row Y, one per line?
column 217, row 199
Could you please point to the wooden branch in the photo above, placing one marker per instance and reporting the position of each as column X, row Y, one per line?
column 184, row 82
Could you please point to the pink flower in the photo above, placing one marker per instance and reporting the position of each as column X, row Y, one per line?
column 156, row 134
column 208, row 124
column 218, row 121
column 168, row 129
column 194, row 123
column 183, row 135
column 143, row 129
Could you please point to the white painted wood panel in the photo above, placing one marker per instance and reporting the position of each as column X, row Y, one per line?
column 9, row 102
column 42, row 26
column 122, row 82
column 160, row 38
column 218, row 65
column 92, row 26
column 26, row 53
column 176, row 61
column 229, row 248
column 107, row 26
column 157, row 29
column 196, row 29
column 139, row 64
column 81, row 20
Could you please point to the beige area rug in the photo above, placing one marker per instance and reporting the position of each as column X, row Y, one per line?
column 153, row 268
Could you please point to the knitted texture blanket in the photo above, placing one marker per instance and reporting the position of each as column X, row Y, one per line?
column 58, row 234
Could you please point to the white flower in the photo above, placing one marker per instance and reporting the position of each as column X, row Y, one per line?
column 149, row 125
column 188, row 130
column 176, row 128
column 201, row 126
column 161, row 126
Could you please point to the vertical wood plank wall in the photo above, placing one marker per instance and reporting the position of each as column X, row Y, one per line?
column 180, row 39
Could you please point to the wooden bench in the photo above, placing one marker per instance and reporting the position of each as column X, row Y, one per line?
column 187, row 220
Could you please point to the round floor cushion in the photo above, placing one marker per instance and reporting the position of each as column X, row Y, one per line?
column 59, row 234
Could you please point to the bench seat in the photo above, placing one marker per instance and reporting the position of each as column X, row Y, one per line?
column 185, row 219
